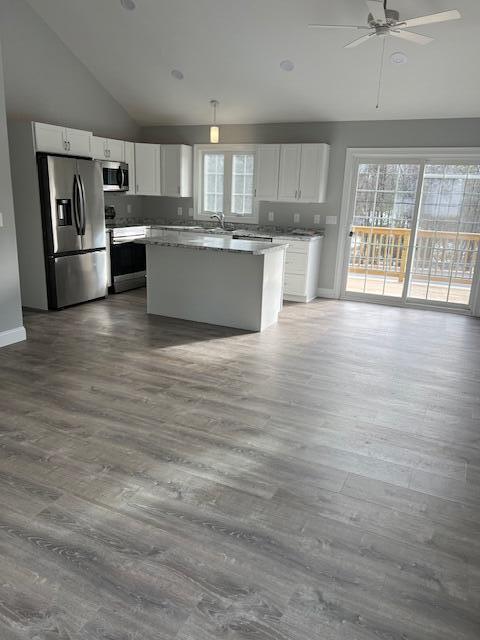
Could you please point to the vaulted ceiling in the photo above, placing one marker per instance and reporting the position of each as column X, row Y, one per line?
column 231, row 50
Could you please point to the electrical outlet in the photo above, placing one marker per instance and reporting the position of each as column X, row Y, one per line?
column 296, row 217
column 316, row 218
column 190, row 212
column 271, row 216
column 331, row 220
column 129, row 208
column 179, row 212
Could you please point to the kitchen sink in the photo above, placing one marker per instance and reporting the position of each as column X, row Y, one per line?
column 218, row 231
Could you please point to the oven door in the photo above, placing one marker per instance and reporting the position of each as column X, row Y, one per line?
column 115, row 176
column 128, row 265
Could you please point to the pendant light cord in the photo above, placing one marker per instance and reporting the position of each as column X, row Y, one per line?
column 380, row 76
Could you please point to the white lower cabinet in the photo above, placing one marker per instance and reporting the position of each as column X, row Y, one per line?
column 147, row 169
column 302, row 268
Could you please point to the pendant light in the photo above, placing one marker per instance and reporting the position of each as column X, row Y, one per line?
column 214, row 129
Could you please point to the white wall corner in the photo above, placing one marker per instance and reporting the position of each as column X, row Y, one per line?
column 327, row 293
column 12, row 336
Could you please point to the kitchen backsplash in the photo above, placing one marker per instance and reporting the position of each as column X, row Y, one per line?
column 154, row 210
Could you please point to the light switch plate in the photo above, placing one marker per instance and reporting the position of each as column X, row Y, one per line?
column 331, row 220
column 1, row 219
column 316, row 219
column 296, row 217
column 271, row 216
column 190, row 212
column 179, row 212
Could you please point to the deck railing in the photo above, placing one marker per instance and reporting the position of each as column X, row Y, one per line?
column 439, row 255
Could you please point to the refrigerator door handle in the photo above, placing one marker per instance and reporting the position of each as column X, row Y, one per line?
column 77, row 205
column 84, row 205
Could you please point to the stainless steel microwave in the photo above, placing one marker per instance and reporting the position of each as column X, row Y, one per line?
column 115, row 175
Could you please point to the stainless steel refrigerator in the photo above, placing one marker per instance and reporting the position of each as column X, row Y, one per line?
column 73, row 216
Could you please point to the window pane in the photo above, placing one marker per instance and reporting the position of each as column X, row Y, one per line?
column 242, row 184
column 213, row 175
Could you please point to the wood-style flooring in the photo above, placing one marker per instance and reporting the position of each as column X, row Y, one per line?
column 162, row 480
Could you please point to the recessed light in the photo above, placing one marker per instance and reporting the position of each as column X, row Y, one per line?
column 178, row 75
column 287, row 65
column 398, row 58
column 129, row 5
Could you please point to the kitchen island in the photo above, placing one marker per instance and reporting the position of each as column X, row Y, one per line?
column 216, row 280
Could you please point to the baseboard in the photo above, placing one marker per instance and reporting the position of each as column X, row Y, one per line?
column 289, row 297
column 327, row 293
column 12, row 335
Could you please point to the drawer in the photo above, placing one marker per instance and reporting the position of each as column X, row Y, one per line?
column 294, row 246
column 294, row 285
column 296, row 263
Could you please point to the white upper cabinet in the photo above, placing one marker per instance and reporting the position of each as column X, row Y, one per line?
column 50, row 138
column 79, row 142
column 267, row 167
column 303, row 172
column 147, row 169
column 176, row 170
column 313, row 173
column 130, row 160
column 108, row 149
column 289, row 175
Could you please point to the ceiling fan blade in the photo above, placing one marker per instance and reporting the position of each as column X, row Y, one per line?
column 377, row 10
column 411, row 37
column 358, row 41
column 443, row 16
column 337, row 26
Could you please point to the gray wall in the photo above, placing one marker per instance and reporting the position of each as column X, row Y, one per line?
column 45, row 82
column 340, row 135
column 10, row 309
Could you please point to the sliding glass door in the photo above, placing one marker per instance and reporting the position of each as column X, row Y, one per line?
column 383, row 216
column 448, row 233
column 415, row 232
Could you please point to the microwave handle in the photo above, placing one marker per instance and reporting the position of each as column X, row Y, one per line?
column 120, row 177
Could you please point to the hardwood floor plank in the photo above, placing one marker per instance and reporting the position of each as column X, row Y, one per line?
column 161, row 479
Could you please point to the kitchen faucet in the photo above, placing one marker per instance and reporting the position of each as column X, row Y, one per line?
column 220, row 216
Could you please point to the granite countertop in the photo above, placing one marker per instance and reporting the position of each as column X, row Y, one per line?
column 306, row 235
column 187, row 240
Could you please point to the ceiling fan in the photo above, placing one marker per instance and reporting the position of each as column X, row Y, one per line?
column 384, row 22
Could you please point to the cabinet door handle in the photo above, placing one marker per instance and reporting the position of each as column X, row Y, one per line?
column 296, row 194
column 299, row 194
column 178, row 190
column 68, row 143
column 65, row 145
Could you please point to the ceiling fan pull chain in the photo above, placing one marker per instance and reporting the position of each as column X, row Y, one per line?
column 380, row 77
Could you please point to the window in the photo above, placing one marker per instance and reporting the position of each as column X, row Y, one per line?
column 213, row 175
column 224, row 181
